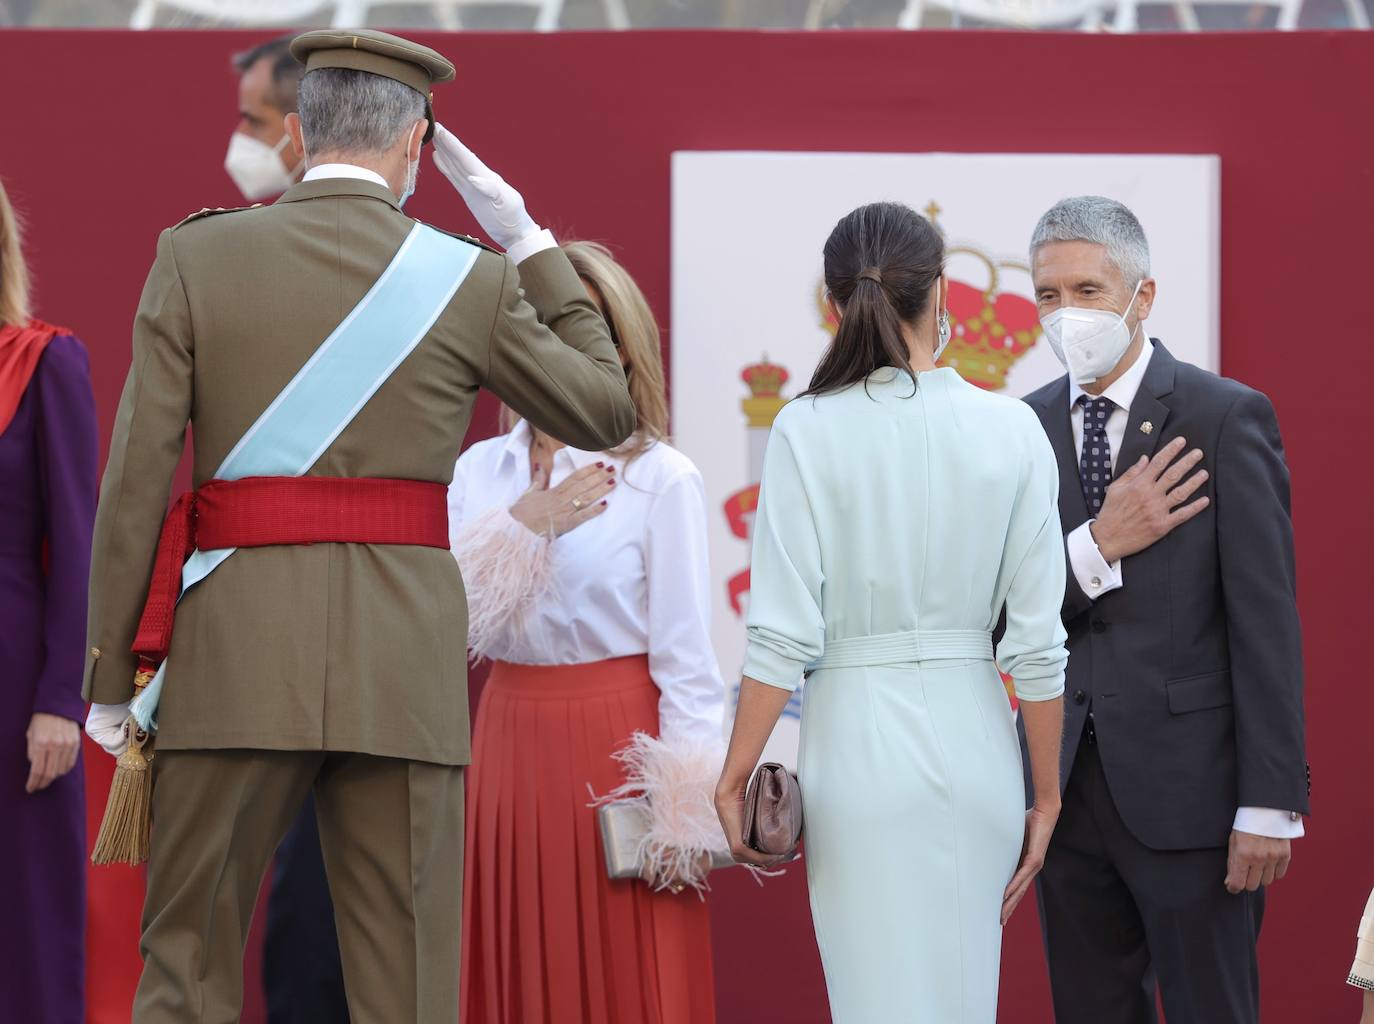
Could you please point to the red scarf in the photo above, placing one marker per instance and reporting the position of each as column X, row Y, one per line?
column 20, row 350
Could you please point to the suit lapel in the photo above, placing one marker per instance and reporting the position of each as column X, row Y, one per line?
column 1054, row 417
column 1148, row 414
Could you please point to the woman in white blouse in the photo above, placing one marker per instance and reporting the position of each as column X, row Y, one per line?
column 589, row 590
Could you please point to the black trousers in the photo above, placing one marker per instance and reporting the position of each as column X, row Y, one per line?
column 302, row 974
column 1119, row 917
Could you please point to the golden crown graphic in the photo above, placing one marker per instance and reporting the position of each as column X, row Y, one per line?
column 765, row 381
column 991, row 329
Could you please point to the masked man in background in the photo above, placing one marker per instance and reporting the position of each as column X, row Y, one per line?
column 260, row 160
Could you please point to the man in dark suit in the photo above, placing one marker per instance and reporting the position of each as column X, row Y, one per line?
column 1183, row 762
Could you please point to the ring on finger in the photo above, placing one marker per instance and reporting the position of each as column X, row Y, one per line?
column 577, row 504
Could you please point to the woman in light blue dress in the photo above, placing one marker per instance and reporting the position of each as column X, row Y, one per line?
column 902, row 511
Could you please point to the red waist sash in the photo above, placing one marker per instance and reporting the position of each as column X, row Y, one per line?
column 271, row 510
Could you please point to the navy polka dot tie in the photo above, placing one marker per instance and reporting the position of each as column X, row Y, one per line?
column 1095, row 464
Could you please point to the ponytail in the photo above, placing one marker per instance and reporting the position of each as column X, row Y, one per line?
column 882, row 262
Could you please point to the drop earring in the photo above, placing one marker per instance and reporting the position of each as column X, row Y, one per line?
column 945, row 333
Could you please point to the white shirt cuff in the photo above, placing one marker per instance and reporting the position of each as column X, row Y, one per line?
column 531, row 244
column 1090, row 569
column 1267, row 822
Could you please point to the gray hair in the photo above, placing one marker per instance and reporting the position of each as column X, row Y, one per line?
column 1103, row 221
column 346, row 111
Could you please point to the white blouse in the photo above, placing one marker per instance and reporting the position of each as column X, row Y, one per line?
column 633, row 580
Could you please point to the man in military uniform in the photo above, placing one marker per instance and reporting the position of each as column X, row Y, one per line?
column 323, row 660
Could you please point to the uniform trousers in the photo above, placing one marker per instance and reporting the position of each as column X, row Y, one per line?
column 1122, row 920
column 302, row 977
column 391, row 831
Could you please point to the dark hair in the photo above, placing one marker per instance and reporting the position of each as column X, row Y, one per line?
column 286, row 70
column 882, row 262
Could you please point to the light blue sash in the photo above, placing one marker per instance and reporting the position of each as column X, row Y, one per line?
column 336, row 382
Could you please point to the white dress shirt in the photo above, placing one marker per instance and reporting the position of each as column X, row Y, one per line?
column 633, row 580
column 519, row 252
column 1093, row 573
column 1097, row 577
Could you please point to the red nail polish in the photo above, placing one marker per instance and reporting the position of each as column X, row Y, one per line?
column 603, row 502
column 610, row 483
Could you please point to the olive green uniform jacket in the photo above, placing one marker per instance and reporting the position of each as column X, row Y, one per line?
column 339, row 647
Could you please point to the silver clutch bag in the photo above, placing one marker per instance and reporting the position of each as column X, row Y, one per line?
column 623, row 824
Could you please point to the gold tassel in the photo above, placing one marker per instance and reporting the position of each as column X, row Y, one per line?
column 127, row 825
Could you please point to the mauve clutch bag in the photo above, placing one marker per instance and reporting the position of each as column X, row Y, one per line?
column 773, row 811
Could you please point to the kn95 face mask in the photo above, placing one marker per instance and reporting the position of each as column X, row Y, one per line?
column 1089, row 342
column 256, row 167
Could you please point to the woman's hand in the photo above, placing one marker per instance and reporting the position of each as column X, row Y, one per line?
column 553, row 512
column 1040, row 822
column 54, row 743
column 730, row 795
column 499, row 208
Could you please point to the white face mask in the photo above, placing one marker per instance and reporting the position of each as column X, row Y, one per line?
column 1089, row 342
column 256, row 167
column 412, row 178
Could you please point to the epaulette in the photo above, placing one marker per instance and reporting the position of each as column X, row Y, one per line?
column 211, row 211
column 463, row 238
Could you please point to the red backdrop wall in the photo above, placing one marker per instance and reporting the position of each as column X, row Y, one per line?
column 108, row 137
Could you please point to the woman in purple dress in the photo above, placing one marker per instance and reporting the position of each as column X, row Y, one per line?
column 47, row 507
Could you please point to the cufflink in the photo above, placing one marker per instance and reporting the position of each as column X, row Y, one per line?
column 1096, row 581
column 1293, row 815
column 95, row 653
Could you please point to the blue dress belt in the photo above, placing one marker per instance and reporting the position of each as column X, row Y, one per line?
column 907, row 648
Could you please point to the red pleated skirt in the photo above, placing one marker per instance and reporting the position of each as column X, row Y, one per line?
column 548, row 938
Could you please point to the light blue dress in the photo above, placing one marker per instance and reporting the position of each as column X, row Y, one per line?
column 893, row 527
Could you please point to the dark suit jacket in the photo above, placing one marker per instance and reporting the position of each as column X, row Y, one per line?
column 1193, row 668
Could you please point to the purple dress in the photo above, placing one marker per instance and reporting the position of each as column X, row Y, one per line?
column 47, row 491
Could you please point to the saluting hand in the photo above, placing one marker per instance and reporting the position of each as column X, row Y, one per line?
column 1147, row 501
column 498, row 207
column 53, row 745
column 553, row 512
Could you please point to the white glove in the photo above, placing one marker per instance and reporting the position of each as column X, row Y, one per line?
column 105, row 725
column 498, row 207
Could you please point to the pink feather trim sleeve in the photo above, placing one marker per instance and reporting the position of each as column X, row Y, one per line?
column 676, row 778
column 506, row 568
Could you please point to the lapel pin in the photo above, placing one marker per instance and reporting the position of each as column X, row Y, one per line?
column 1147, row 427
